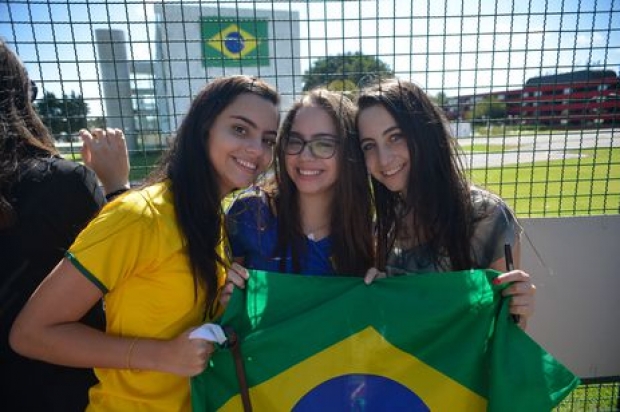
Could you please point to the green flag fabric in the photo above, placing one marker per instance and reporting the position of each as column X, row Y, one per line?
column 235, row 42
column 430, row 342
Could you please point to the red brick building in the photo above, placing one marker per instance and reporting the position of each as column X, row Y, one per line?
column 587, row 98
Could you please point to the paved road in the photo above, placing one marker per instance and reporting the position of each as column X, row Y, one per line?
column 530, row 148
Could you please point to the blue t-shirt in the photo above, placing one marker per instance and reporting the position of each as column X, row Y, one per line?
column 253, row 233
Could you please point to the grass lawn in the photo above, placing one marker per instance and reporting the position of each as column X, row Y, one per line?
column 142, row 162
column 488, row 148
column 566, row 187
column 589, row 185
column 601, row 397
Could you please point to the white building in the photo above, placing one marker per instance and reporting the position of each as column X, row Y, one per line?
column 193, row 45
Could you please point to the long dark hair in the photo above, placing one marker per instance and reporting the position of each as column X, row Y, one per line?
column 438, row 195
column 193, row 180
column 23, row 135
column 351, row 213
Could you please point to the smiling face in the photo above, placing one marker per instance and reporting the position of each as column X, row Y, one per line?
column 385, row 148
column 313, row 175
column 241, row 141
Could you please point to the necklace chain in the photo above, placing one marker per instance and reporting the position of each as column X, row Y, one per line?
column 311, row 233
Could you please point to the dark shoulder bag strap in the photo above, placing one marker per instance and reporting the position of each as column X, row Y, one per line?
column 233, row 345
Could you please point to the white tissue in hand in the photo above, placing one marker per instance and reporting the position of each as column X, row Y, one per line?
column 210, row 332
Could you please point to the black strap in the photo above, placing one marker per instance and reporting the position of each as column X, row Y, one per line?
column 110, row 196
column 235, row 348
column 509, row 267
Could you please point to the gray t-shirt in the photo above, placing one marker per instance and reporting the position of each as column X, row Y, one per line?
column 495, row 225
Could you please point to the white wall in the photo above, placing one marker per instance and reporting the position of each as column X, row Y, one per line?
column 577, row 316
column 182, row 64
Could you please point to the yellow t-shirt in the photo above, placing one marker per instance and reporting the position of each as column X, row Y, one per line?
column 133, row 251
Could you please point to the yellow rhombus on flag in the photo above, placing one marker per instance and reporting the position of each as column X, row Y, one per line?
column 411, row 343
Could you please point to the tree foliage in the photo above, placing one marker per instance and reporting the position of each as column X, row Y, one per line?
column 96, row 122
column 488, row 108
column 440, row 99
column 63, row 116
column 345, row 71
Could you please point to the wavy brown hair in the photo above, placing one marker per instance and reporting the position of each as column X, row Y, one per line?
column 351, row 213
column 193, row 180
column 438, row 195
column 23, row 136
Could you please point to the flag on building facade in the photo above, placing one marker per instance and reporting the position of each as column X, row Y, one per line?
column 235, row 42
column 432, row 342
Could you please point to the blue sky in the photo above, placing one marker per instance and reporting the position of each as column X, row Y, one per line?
column 462, row 46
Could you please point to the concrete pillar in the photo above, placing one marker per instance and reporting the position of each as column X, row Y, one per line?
column 115, row 82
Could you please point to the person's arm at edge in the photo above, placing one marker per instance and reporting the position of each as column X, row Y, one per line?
column 48, row 329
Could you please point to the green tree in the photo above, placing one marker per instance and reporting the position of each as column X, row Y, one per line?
column 63, row 116
column 487, row 109
column 95, row 122
column 341, row 85
column 441, row 99
column 344, row 71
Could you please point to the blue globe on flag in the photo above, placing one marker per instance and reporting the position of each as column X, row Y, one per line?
column 234, row 42
column 360, row 392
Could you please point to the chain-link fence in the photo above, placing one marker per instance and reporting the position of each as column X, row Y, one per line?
column 531, row 87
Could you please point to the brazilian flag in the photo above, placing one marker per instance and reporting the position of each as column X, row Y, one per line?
column 430, row 342
column 234, row 42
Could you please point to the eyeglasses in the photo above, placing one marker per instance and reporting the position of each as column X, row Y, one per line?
column 321, row 148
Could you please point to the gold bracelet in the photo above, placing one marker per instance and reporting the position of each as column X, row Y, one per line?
column 129, row 351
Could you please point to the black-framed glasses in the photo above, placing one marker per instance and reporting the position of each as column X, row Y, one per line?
column 320, row 147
